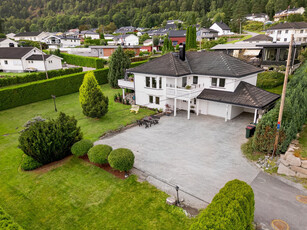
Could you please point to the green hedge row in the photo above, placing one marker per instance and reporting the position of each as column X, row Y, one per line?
column 294, row 116
column 37, row 76
column 232, row 208
column 270, row 79
column 97, row 63
column 18, row 95
column 6, row 222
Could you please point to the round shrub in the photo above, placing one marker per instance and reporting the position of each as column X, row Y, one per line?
column 99, row 154
column 121, row 159
column 28, row 163
column 81, row 148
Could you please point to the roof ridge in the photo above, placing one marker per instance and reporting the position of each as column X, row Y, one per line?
column 173, row 61
column 186, row 57
column 222, row 54
column 251, row 95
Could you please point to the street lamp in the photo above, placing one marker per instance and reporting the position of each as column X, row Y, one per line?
column 53, row 97
column 177, row 200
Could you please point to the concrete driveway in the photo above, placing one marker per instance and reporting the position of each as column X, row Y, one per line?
column 199, row 155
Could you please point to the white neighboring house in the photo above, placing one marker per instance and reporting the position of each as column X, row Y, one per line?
column 221, row 28
column 5, row 42
column 209, row 83
column 89, row 34
column 282, row 32
column 125, row 39
column 22, row 59
column 10, row 35
column 56, row 42
column 285, row 13
column 32, row 36
column 108, row 36
column 258, row 17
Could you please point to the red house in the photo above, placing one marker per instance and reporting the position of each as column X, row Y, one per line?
column 177, row 36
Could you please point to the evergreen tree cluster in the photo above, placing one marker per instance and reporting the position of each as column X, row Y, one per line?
column 191, row 38
column 167, row 46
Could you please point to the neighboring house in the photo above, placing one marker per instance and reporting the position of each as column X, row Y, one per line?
column 89, row 34
column 5, row 42
column 177, row 36
column 147, row 46
column 125, row 39
column 10, row 35
column 158, row 32
column 261, row 38
column 125, row 29
column 108, row 36
column 147, row 42
column 209, row 83
column 22, row 59
column 285, row 13
column 107, row 51
column 222, row 28
column 261, row 17
column 283, row 31
column 32, row 36
column 56, row 42
column 205, row 33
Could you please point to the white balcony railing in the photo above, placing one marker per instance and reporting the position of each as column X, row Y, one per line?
column 184, row 93
column 125, row 84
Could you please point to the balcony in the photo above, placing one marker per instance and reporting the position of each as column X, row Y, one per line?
column 125, row 84
column 184, row 93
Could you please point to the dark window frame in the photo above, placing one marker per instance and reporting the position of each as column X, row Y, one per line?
column 157, row 100
column 195, row 80
column 150, row 99
column 212, row 82
column 224, row 82
column 147, row 82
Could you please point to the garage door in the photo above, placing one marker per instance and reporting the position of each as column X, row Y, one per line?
column 216, row 109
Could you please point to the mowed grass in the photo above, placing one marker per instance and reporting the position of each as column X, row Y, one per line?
column 13, row 74
column 303, row 142
column 78, row 195
column 277, row 89
column 238, row 40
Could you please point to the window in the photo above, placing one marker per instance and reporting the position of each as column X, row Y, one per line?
column 157, row 100
column 5, row 62
column 283, row 54
column 160, row 83
column 279, row 32
column 147, row 81
column 175, row 43
column 184, row 81
column 214, row 81
column 150, row 99
column 286, row 31
column 50, row 62
column 153, row 82
column 301, row 31
column 285, row 39
column 222, row 82
column 195, row 80
column 34, row 51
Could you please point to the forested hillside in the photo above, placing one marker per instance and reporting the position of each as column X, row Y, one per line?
column 60, row 15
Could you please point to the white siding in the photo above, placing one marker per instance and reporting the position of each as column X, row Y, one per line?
column 13, row 65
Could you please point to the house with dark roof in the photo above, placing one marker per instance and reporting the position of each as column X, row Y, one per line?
column 260, row 38
column 125, row 40
column 177, row 36
column 282, row 32
column 89, row 34
column 23, row 59
column 261, row 17
column 32, row 36
column 222, row 28
column 209, row 83
column 6, row 42
column 62, row 41
column 206, row 33
column 283, row 14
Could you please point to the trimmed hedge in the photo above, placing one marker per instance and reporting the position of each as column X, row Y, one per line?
column 121, row 159
column 232, row 208
column 28, row 163
column 97, row 63
column 81, row 148
column 37, row 76
column 13, row 96
column 6, row 222
column 270, row 79
column 99, row 154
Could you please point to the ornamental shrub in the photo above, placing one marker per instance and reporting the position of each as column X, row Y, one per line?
column 83, row 61
column 28, row 163
column 50, row 140
column 6, row 222
column 121, row 159
column 232, row 208
column 93, row 102
column 81, row 148
column 99, row 154
column 270, row 79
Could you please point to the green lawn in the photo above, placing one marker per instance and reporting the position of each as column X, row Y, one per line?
column 78, row 195
column 242, row 39
column 303, row 142
column 13, row 74
column 277, row 89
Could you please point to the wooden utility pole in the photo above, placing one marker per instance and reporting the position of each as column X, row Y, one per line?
column 44, row 60
column 283, row 95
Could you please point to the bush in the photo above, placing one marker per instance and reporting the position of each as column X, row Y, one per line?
column 28, row 163
column 99, row 154
column 270, row 79
column 81, row 148
column 232, row 208
column 121, row 159
column 93, row 102
column 130, row 53
column 6, row 221
column 6, row 81
column 48, row 141
column 83, row 61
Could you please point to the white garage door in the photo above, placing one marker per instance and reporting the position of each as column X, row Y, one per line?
column 216, row 109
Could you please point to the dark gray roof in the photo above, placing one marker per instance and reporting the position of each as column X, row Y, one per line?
column 214, row 63
column 208, row 30
column 14, row 52
column 2, row 39
column 245, row 95
column 27, row 34
column 289, row 25
column 177, row 33
column 222, row 25
column 260, row 37
column 170, row 26
column 37, row 57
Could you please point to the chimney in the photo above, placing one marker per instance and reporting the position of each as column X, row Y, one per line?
column 182, row 52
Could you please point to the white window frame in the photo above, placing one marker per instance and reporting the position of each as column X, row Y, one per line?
column 218, row 83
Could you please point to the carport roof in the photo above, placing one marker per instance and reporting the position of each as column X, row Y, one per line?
column 246, row 95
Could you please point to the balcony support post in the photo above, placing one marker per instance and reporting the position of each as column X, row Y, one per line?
column 189, row 108
column 175, row 107
column 124, row 96
column 197, row 107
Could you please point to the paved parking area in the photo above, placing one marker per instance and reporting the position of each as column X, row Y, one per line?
column 199, row 155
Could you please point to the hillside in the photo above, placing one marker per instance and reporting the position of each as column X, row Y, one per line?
column 60, row 15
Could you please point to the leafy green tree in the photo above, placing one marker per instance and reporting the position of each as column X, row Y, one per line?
column 295, row 18
column 167, row 46
column 130, row 53
column 93, row 102
column 156, row 41
column 188, row 37
column 119, row 62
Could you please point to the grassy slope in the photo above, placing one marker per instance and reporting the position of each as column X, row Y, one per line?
column 242, row 39
column 277, row 89
column 303, row 142
column 13, row 74
column 78, row 195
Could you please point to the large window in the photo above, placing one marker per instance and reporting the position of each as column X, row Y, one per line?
column 160, row 83
column 150, row 99
column 222, row 82
column 147, row 81
column 218, row 82
column 214, row 81
column 270, row 54
column 153, row 82
column 283, row 54
column 195, row 80
column 184, row 81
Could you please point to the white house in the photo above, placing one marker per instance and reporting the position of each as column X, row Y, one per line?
column 32, row 36
column 282, row 32
column 56, row 42
column 125, row 39
column 285, row 13
column 5, row 42
column 258, row 17
column 210, row 83
column 205, row 33
column 22, row 59
column 108, row 36
column 89, row 34
column 10, row 35
column 221, row 28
